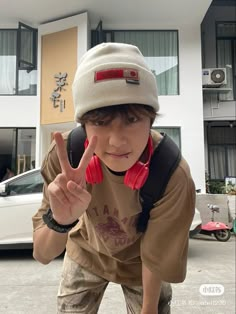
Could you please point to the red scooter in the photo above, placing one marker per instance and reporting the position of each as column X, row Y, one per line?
column 219, row 229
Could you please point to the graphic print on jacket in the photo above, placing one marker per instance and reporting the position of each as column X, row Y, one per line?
column 112, row 215
column 115, row 233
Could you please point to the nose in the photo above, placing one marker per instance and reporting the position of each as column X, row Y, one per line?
column 117, row 134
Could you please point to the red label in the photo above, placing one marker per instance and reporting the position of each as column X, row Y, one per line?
column 114, row 74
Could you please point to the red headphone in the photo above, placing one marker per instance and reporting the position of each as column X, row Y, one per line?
column 135, row 177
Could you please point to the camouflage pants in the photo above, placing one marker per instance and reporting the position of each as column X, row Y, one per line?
column 81, row 292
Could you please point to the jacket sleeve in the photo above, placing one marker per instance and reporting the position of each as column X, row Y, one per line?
column 50, row 169
column 164, row 245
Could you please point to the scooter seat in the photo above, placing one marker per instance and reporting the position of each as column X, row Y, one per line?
column 214, row 208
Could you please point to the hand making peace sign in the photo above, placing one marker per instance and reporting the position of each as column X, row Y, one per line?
column 67, row 193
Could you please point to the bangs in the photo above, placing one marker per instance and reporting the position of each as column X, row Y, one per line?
column 110, row 113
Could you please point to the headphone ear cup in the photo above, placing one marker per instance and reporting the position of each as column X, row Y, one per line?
column 93, row 172
column 136, row 176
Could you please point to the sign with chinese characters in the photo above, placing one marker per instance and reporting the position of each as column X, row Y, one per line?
column 56, row 96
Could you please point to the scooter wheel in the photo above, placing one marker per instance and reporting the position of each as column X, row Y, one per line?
column 222, row 235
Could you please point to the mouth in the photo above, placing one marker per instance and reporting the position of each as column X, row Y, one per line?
column 118, row 155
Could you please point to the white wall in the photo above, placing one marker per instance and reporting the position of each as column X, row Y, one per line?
column 218, row 110
column 18, row 111
column 186, row 110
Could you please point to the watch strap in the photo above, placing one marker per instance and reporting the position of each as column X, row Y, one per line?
column 54, row 225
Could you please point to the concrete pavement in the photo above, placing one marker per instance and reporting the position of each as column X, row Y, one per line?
column 27, row 287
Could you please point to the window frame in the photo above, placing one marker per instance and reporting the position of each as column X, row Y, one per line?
column 231, row 39
column 224, row 143
column 162, row 129
column 31, row 66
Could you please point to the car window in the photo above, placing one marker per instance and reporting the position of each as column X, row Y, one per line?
column 28, row 184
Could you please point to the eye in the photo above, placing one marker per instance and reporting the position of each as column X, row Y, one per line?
column 99, row 123
column 132, row 119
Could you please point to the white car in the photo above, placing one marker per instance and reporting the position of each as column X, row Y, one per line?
column 196, row 223
column 20, row 198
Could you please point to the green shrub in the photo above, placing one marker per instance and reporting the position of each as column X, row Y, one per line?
column 216, row 187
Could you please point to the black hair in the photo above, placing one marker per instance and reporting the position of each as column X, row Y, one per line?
column 111, row 112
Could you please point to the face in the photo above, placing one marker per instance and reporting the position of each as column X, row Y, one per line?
column 120, row 143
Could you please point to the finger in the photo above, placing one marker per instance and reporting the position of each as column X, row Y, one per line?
column 61, row 181
column 79, row 192
column 88, row 154
column 57, row 193
column 62, row 153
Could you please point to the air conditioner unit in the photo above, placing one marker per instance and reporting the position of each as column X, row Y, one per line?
column 214, row 77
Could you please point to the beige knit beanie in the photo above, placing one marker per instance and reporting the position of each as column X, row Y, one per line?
column 113, row 74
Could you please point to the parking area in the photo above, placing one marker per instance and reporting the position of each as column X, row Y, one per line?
column 27, row 287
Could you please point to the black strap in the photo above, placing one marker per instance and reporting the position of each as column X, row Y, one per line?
column 164, row 161
column 75, row 145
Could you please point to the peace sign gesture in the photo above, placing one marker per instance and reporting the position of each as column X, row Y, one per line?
column 67, row 193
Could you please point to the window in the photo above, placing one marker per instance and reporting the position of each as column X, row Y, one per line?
column 226, row 55
column 160, row 49
column 25, row 149
column 27, row 184
column 222, row 162
column 8, row 40
column 17, row 153
column 222, row 151
column 173, row 133
column 18, row 71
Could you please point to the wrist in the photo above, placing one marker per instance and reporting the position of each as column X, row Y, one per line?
column 149, row 306
column 54, row 225
column 60, row 221
column 149, row 309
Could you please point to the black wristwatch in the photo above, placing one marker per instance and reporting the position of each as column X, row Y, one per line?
column 52, row 224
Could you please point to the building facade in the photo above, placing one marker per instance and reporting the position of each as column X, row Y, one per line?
column 218, row 32
column 38, row 64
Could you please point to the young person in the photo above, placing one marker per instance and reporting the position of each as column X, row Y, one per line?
column 92, row 210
